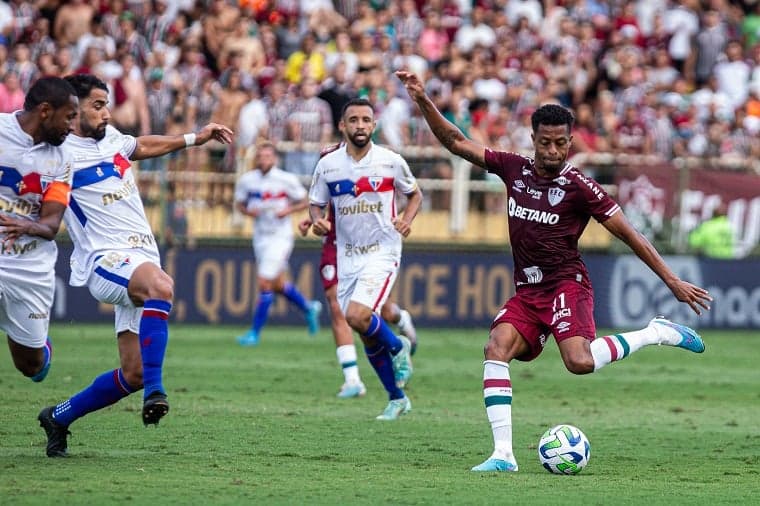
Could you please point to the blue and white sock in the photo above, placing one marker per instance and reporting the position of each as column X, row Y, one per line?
column 380, row 331
column 106, row 389
column 154, row 338
column 293, row 295
column 262, row 311
column 383, row 364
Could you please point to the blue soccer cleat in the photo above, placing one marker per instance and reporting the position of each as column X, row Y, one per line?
column 683, row 337
column 249, row 339
column 496, row 465
column 312, row 317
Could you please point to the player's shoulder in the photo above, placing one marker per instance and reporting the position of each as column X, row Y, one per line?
column 326, row 150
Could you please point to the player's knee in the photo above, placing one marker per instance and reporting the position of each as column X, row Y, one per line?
column 162, row 288
column 579, row 364
column 358, row 321
column 389, row 313
column 133, row 375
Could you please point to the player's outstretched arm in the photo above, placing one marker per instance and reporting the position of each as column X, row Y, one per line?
column 150, row 146
column 446, row 132
column 696, row 297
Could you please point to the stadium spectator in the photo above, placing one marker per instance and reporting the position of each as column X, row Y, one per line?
column 366, row 276
column 715, row 236
column 553, row 290
column 35, row 191
column 72, row 21
column 117, row 257
column 270, row 196
column 11, row 94
column 309, row 122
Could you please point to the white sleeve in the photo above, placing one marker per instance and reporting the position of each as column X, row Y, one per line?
column 241, row 189
column 404, row 181
column 319, row 193
column 295, row 189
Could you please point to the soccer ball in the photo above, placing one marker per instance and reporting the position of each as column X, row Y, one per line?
column 564, row 449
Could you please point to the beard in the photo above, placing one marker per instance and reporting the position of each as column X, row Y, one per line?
column 53, row 137
column 359, row 142
column 97, row 133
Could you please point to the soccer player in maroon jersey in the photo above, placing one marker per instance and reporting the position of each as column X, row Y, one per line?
column 550, row 203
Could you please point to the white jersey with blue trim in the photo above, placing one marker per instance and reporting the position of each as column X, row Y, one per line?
column 269, row 193
column 363, row 194
column 106, row 212
column 26, row 170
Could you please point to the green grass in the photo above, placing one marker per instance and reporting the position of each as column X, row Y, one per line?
column 263, row 426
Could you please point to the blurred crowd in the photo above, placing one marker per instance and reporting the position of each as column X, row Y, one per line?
column 660, row 77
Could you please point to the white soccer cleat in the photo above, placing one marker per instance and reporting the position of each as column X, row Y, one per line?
column 351, row 390
column 395, row 409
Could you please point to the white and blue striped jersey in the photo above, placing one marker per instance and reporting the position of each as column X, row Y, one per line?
column 27, row 170
column 269, row 193
column 363, row 194
column 106, row 212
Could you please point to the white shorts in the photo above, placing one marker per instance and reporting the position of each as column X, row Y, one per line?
column 272, row 256
column 25, row 302
column 370, row 286
column 109, row 283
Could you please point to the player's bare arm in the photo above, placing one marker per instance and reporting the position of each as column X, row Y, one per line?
column 696, row 297
column 150, row 146
column 243, row 209
column 446, row 132
column 51, row 214
column 403, row 223
column 319, row 223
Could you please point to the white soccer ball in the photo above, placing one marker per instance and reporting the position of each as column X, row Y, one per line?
column 564, row 449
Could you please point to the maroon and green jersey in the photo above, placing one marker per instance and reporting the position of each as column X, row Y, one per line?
column 547, row 217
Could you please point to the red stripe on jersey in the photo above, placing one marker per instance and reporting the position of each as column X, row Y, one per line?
column 372, row 184
column 121, row 163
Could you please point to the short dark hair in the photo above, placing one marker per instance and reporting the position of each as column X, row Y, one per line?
column 552, row 114
column 53, row 90
column 356, row 101
column 83, row 84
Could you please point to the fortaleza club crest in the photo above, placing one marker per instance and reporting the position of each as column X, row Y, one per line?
column 374, row 182
column 555, row 196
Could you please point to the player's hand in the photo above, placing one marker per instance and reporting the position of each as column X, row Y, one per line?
column 304, row 226
column 401, row 226
column 412, row 84
column 321, row 227
column 214, row 131
column 13, row 228
column 696, row 297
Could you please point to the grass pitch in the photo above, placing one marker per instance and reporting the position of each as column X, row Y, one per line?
column 263, row 426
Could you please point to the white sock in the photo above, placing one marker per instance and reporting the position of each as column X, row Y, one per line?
column 616, row 347
column 347, row 360
column 497, row 394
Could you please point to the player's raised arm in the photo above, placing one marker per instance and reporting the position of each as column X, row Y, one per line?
column 150, row 146
column 446, row 132
column 696, row 297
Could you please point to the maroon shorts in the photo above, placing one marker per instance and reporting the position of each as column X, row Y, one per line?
column 564, row 309
column 328, row 265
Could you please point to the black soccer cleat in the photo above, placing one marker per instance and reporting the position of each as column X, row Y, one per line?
column 56, row 433
column 155, row 408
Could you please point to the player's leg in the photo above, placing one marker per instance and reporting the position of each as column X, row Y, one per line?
column 152, row 288
column 392, row 313
column 261, row 313
column 342, row 333
column 388, row 354
column 106, row 389
column 582, row 354
column 24, row 317
column 310, row 308
column 344, row 347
